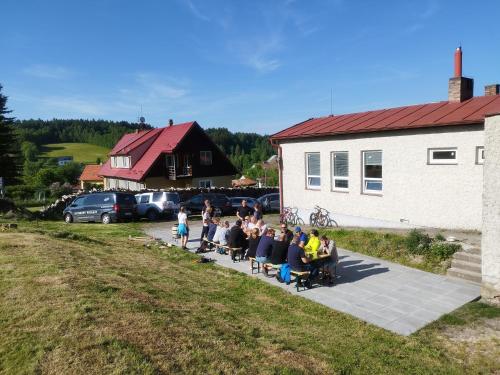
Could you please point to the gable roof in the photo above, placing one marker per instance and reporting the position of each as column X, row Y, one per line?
column 166, row 141
column 472, row 111
column 91, row 173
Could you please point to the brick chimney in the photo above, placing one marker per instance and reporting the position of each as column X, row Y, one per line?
column 490, row 90
column 460, row 88
column 170, row 122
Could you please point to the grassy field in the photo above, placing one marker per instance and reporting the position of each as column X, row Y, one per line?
column 81, row 152
column 81, row 298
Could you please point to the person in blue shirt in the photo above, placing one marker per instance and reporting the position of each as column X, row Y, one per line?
column 302, row 237
column 265, row 247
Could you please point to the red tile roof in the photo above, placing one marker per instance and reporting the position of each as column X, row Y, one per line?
column 471, row 111
column 166, row 141
column 91, row 173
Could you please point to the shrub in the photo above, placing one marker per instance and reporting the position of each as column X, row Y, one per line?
column 444, row 250
column 418, row 242
column 440, row 237
column 20, row 192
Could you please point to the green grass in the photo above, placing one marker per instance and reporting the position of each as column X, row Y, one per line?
column 390, row 246
column 81, row 152
column 81, row 298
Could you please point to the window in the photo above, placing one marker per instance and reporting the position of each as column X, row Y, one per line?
column 442, row 155
column 372, row 171
column 206, row 157
column 340, row 170
column 145, row 198
column 313, row 179
column 120, row 161
column 480, row 155
column 205, row 183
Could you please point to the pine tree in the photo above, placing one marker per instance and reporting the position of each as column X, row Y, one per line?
column 9, row 147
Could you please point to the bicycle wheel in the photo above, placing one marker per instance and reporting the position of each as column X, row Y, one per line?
column 300, row 221
column 312, row 220
column 332, row 223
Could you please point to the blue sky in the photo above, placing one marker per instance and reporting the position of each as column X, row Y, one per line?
column 246, row 65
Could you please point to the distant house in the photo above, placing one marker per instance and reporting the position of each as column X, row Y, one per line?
column 243, row 182
column 90, row 176
column 181, row 155
column 419, row 165
column 63, row 160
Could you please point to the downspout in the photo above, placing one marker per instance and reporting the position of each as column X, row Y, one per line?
column 280, row 171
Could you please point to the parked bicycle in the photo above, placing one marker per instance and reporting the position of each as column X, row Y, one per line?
column 321, row 218
column 290, row 216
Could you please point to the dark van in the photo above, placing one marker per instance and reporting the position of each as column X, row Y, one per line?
column 105, row 207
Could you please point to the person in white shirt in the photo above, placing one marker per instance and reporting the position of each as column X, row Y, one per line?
column 222, row 233
column 183, row 228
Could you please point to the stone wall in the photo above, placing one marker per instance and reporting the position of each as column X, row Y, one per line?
column 490, row 246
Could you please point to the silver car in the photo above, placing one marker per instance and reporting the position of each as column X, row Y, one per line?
column 158, row 204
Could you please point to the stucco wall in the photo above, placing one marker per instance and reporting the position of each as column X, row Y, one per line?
column 446, row 196
column 163, row 182
column 490, row 246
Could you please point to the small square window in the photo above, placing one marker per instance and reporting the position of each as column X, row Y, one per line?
column 480, row 155
column 442, row 155
column 205, row 184
column 205, row 157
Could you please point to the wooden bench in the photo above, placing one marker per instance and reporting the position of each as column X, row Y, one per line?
column 299, row 276
column 234, row 251
column 270, row 266
column 253, row 261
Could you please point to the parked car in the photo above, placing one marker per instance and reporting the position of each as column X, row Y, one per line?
column 270, row 202
column 220, row 202
column 236, row 202
column 106, row 207
column 154, row 205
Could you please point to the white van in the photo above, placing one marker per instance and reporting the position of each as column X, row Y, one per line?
column 154, row 205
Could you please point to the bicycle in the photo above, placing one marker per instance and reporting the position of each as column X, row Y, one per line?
column 290, row 216
column 321, row 218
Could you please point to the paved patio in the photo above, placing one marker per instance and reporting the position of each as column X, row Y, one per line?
column 388, row 295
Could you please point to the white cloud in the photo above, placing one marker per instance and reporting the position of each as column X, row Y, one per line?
column 195, row 10
column 160, row 88
column 48, row 71
column 64, row 106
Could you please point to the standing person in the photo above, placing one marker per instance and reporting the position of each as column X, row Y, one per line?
column 206, row 221
column 257, row 211
column 244, row 210
column 183, row 228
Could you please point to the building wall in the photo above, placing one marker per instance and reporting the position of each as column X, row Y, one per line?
column 490, row 245
column 115, row 183
column 446, row 196
column 163, row 182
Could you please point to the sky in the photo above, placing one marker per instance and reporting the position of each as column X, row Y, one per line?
column 255, row 66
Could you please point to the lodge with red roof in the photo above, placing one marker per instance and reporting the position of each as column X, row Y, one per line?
column 180, row 155
column 90, row 176
column 417, row 165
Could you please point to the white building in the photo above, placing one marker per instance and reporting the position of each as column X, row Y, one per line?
column 419, row 165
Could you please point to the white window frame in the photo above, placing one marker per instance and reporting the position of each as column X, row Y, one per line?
column 365, row 179
column 339, row 178
column 308, row 176
column 205, row 157
column 203, row 184
column 113, row 161
column 432, row 161
column 480, row 155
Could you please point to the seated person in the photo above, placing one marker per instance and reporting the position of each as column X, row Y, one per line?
column 251, row 224
column 262, row 227
column 313, row 244
column 302, row 237
column 265, row 247
column 212, row 228
column 237, row 238
column 288, row 233
column 253, row 242
column 222, row 233
column 329, row 264
column 280, row 250
column 298, row 261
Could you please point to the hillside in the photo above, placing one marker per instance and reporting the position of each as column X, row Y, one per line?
column 81, row 152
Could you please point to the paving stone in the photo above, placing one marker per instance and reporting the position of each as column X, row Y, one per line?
column 386, row 294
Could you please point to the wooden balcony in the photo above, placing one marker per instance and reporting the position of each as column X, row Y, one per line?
column 174, row 173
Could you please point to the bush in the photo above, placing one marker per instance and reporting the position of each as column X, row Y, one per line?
column 418, row 242
column 20, row 192
column 444, row 250
column 439, row 237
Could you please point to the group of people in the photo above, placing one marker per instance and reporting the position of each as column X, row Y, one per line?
column 300, row 251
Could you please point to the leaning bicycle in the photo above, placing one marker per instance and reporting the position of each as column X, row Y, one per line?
column 321, row 218
column 290, row 216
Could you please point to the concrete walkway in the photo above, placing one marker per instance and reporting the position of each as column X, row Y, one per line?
column 386, row 294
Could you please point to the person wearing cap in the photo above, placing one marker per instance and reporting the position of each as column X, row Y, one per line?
column 302, row 237
column 313, row 244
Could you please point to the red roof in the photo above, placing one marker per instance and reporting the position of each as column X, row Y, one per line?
column 471, row 111
column 91, row 173
column 166, row 141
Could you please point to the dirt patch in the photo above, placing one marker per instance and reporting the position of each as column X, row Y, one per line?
column 486, row 329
